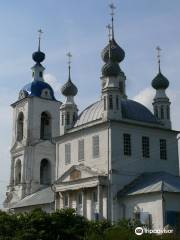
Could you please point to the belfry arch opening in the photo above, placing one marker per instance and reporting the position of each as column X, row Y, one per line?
column 45, row 172
column 20, row 126
column 45, row 133
column 18, row 170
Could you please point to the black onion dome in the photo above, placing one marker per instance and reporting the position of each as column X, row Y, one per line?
column 111, row 69
column 117, row 52
column 38, row 56
column 160, row 82
column 69, row 89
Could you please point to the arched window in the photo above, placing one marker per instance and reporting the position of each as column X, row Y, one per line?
column 62, row 119
column 117, row 102
column 45, row 126
column 67, row 118
column 40, row 74
column 104, row 103
column 20, row 126
column 18, row 172
column 168, row 113
column 45, row 172
column 110, row 102
column 121, row 87
column 156, row 111
column 162, row 112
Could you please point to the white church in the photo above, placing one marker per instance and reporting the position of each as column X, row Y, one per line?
column 114, row 160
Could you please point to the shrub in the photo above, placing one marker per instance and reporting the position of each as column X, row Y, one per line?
column 65, row 224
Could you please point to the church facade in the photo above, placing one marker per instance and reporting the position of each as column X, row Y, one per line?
column 115, row 160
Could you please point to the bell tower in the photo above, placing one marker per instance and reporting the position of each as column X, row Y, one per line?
column 113, row 78
column 35, row 123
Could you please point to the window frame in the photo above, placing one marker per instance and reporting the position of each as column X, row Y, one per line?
column 62, row 119
column 95, row 146
column 145, row 147
column 81, row 150
column 20, row 127
column 162, row 112
column 111, row 102
column 66, row 197
column 127, row 146
column 168, row 112
column 117, row 102
column 163, row 149
column 45, row 126
column 105, row 103
column 67, row 149
column 68, row 118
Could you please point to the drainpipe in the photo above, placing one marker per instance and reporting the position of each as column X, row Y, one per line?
column 109, row 179
column 163, row 205
column 53, row 188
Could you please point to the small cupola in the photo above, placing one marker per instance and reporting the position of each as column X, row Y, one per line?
column 161, row 103
column 68, row 110
column 38, row 57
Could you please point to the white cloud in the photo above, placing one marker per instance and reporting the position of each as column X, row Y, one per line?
column 51, row 79
column 145, row 97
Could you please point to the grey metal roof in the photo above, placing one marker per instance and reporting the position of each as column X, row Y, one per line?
column 91, row 113
column 44, row 196
column 152, row 182
column 130, row 110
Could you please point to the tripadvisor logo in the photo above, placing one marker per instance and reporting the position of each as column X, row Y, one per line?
column 139, row 231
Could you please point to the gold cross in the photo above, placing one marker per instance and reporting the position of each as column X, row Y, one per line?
column 158, row 52
column 112, row 7
column 40, row 33
column 69, row 55
column 109, row 31
column 159, row 57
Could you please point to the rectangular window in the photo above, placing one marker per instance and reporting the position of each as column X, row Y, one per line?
column 67, row 153
column 163, row 149
column 81, row 150
column 127, row 144
column 95, row 146
column 145, row 147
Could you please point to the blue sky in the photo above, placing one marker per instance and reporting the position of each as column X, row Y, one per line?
column 79, row 26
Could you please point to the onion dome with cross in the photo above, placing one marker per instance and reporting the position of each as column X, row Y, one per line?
column 69, row 88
